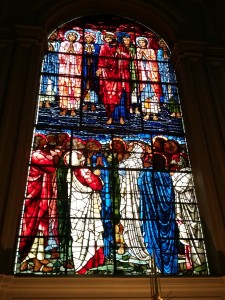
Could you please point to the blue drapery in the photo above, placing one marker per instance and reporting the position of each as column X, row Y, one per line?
column 106, row 211
column 157, row 212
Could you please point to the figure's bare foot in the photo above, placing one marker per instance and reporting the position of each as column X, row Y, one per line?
column 85, row 107
column 47, row 104
column 24, row 266
column 147, row 117
column 122, row 122
column 121, row 249
column 73, row 113
column 109, row 121
column 155, row 117
column 63, row 112
column 137, row 112
column 93, row 108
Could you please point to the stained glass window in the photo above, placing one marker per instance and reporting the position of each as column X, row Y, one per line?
column 109, row 188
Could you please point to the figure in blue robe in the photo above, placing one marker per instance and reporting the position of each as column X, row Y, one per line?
column 157, row 212
column 50, row 70
column 106, row 211
column 90, row 83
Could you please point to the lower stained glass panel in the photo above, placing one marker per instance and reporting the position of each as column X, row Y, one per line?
column 110, row 205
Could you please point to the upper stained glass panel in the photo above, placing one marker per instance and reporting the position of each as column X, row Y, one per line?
column 109, row 187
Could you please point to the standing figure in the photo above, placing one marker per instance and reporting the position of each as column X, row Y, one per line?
column 114, row 73
column 130, row 202
column 70, row 59
column 96, row 159
column 150, row 90
column 90, row 84
column 87, row 229
column 50, row 73
column 157, row 210
column 187, row 215
column 128, row 44
column 40, row 208
column 118, row 147
column 164, row 71
column 65, row 144
column 169, row 88
column 188, row 220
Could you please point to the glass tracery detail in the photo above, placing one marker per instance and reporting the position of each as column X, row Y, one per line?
column 109, row 188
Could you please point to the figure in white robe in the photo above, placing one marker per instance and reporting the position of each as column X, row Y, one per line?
column 188, row 220
column 130, row 201
column 85, row 213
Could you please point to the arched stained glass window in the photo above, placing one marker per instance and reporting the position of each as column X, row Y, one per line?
column 109, row 188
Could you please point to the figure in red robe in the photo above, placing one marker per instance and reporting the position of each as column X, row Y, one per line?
column 114, row 73
column 39, row 220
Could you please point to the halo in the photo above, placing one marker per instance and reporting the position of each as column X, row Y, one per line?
column 117, row 139
column 159, row 136
column 41, row 135
column 75, row 145
column 51, row 134
column 104, row 33
column 66, row 134
column 91, row 33
column 73, row 32
column 97, row 144
column 141, row 38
